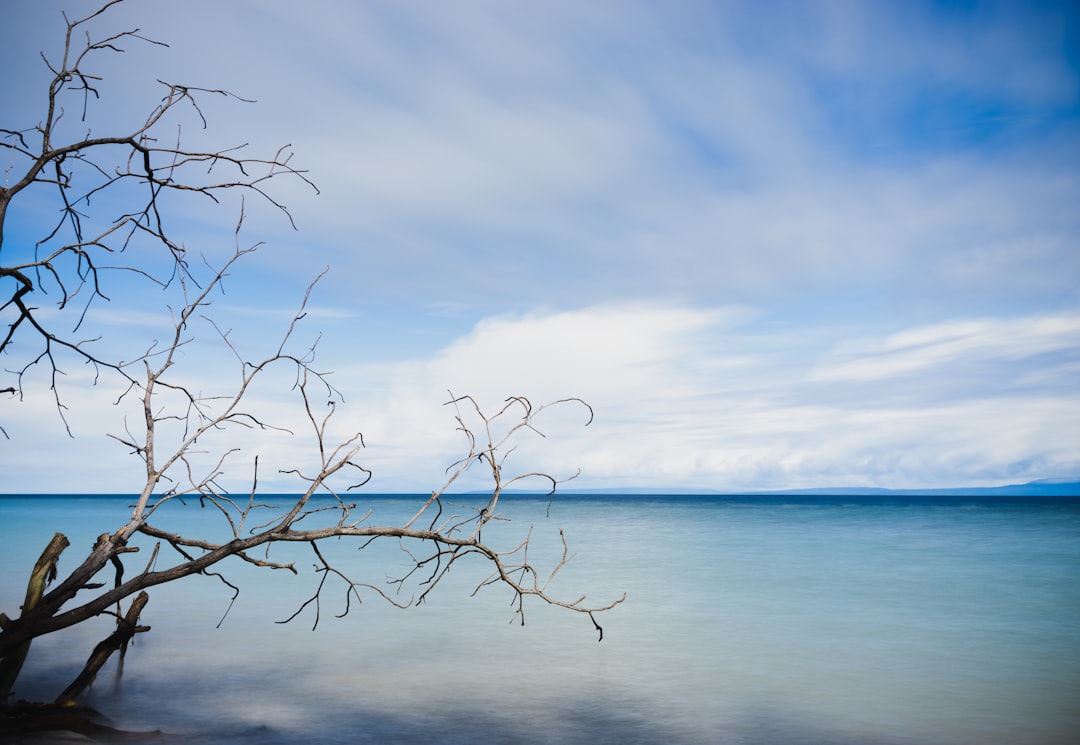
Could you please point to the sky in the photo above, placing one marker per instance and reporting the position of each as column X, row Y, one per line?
column 774, row 245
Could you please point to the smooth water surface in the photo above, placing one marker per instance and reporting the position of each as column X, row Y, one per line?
column 749, row 620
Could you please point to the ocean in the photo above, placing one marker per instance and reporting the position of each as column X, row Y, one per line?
column 748, row 620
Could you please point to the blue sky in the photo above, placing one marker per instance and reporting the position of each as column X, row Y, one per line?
column 775, row 245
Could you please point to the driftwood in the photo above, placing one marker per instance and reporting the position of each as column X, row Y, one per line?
column 126, row 628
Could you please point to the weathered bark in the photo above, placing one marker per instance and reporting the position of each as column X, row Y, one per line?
column 126, row 628
column 44, row 572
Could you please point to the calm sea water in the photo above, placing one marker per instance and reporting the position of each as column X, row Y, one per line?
column 769, row 620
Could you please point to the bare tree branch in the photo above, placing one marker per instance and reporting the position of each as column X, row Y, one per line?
column 68, row 262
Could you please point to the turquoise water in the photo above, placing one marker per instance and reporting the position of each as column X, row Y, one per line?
column 768, row 620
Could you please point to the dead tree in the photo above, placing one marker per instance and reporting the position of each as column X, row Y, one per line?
column 176, row 419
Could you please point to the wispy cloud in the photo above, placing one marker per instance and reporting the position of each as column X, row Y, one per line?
column 957, row 344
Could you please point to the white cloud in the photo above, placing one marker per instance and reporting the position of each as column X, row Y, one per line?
column 698, row 398
column 684, row 397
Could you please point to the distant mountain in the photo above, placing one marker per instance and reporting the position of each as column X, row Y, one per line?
column 1031, row 489
column 1042, row 488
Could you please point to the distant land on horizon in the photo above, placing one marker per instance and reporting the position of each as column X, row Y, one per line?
column 1041, row 488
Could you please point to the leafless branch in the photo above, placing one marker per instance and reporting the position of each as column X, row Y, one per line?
column 185, row 438
column 68, row 266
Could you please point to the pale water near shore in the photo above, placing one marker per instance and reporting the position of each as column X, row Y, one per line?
column 785, row 621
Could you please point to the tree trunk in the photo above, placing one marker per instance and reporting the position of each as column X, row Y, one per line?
column 44, row 572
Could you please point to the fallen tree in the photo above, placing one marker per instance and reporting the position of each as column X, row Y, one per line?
column 176, row 419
